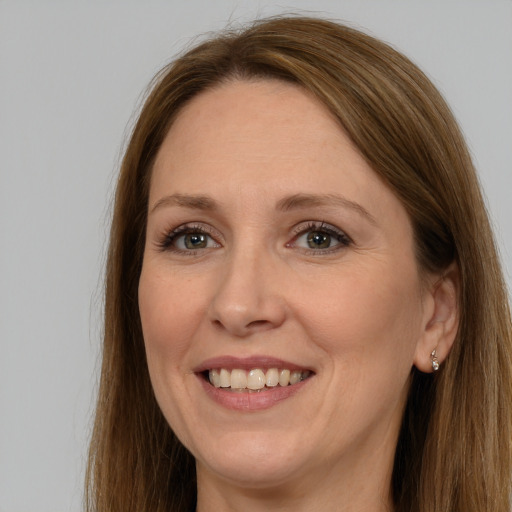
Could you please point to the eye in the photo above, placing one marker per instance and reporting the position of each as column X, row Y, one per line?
column 319, row 238
column 191, row 241
column 188, row 239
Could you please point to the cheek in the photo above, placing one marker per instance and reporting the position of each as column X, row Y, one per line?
column 371, row 318
column 169, row 314
column 169, row 320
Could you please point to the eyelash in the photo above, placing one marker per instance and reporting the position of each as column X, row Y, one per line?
column 168, row 240
column 321, row 227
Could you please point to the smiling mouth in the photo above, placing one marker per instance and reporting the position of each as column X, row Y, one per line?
column 255, row 380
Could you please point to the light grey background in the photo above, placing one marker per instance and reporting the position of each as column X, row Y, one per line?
column 71, row 76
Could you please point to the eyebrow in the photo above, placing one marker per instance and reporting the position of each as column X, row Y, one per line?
column 303, row 201
column 286, row 204
column 194, row 202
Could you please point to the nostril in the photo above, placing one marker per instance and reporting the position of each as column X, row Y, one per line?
column 244, row 330
column 258, row 325
column 217, row 323
column 246, row 315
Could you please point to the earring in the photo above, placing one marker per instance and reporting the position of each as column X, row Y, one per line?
column 435, row 361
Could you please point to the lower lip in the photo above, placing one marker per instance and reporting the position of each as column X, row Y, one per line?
column 251, row 401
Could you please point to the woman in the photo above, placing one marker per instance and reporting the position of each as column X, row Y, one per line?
column 304, row 306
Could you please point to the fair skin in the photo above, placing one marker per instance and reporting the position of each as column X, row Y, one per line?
column 271, row 243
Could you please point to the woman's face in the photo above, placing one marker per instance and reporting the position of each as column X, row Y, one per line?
column 272, row 245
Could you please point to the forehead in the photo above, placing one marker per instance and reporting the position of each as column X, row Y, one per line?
column 263, row 137
column 254, row 113
column 262, row 123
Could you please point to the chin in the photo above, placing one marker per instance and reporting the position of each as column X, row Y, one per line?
column 254, row 460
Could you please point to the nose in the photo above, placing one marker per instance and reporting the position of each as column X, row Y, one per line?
column 249, row 295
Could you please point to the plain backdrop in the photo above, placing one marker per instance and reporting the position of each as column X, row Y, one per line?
column 72, row 74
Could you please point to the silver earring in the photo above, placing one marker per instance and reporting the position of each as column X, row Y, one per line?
column 435, row 361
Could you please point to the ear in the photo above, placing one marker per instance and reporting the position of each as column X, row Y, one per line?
column 441, row 320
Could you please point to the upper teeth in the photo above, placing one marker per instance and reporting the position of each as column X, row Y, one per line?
column 255, row 379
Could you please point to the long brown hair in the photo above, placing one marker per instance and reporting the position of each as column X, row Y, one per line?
column 454, row 449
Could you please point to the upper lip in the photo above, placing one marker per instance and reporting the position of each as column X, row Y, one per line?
column 247, row 363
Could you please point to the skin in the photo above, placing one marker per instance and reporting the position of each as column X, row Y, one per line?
column 358, row 315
